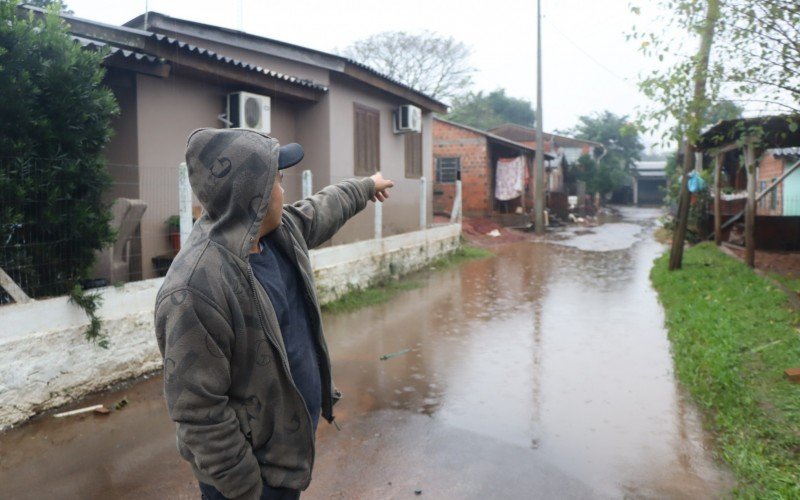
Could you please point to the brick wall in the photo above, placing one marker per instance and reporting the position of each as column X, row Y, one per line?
column 769, row 168
column 472, row 149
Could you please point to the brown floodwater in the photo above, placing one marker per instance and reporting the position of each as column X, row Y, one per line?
column 542, row 372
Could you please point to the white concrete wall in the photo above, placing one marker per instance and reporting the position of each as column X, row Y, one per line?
column 45, row 360
column 344, row 268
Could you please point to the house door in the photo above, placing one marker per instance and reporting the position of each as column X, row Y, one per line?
column 791, row 194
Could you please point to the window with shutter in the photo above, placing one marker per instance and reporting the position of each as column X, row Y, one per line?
column 366, row 139
column 448, row 169
column 413, row 155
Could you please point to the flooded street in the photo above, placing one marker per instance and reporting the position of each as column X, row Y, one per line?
column 542, row 372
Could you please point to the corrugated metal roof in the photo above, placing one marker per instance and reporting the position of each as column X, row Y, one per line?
column 127, row 54
column 781, row 152
column 155, row 16
column 164, row 39
column 777, row 131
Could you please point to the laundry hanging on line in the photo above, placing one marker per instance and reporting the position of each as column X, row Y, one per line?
column 510, row 179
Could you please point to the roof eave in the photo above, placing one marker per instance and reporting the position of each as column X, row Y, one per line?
column 193, row 59
column 373, row 79
column 330, row 62
column 495, row 138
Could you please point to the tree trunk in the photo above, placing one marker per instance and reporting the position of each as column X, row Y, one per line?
column 696, row 108
column 718, row 199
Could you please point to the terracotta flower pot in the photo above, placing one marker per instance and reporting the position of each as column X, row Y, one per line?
column 175, row 238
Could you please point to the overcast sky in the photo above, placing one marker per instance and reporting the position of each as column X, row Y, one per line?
column 588, row 66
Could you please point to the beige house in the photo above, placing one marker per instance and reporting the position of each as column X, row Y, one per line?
column 172, row 76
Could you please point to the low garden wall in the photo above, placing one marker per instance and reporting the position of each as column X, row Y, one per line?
column 46, row 362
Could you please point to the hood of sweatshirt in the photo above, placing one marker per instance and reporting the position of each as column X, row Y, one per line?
column 231, row 172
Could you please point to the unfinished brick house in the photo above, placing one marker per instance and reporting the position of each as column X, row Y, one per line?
column 785, row 199
column 470, row 154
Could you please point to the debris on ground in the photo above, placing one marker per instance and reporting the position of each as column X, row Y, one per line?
column 793, row 374
column 394, row 354
column 96, row 409
column 78, row 411
column 418, row 492
column 482, row 231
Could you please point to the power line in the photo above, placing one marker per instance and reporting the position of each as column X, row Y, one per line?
column 587, row 54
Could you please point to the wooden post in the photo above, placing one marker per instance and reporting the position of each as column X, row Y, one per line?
column 717, row 199
column 750, row 210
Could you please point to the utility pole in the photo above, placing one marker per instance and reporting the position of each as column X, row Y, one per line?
column 538, row 196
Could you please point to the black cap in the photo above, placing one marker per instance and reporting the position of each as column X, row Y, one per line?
column 289, row 155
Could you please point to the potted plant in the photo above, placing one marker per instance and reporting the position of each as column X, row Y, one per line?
column 173, row 223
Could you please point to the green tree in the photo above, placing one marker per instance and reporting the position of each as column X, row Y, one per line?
column 485, row 111
column 623, row 149
column 55, row 118
column 432, row 64
column 749, row 58
column 46, row 4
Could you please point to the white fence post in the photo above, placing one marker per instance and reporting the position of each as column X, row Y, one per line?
column 455, row 213
column 423, row 201
column 378, row 220
column 307, row 178
column 185, row 200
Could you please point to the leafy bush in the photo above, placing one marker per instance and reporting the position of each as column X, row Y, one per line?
column 55, row 118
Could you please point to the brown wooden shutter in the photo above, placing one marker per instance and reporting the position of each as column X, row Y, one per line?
column 413, row 155
column 366, row 139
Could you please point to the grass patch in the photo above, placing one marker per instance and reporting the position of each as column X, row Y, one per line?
column 371, row 296
column 463, row 254
column 663, row 235
column 733, row 333
column 387, row 289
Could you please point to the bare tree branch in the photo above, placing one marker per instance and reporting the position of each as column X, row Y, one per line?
column 431, row 64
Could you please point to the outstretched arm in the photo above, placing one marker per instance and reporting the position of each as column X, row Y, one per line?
column 321, row 215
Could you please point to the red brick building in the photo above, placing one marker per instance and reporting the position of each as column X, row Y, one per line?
column 470, row 154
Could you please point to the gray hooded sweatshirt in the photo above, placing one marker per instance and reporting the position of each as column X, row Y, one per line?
column 240, row 418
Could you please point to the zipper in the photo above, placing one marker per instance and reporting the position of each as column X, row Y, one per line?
column 284, row 362
column 323, row 357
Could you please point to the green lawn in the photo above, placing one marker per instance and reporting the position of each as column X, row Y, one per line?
column 384, row 291
column 733, row 334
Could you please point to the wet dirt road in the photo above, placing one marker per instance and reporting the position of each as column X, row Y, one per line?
column 543, row 372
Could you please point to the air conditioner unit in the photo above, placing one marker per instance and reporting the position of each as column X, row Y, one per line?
column 251, row 111
column 407, row 119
